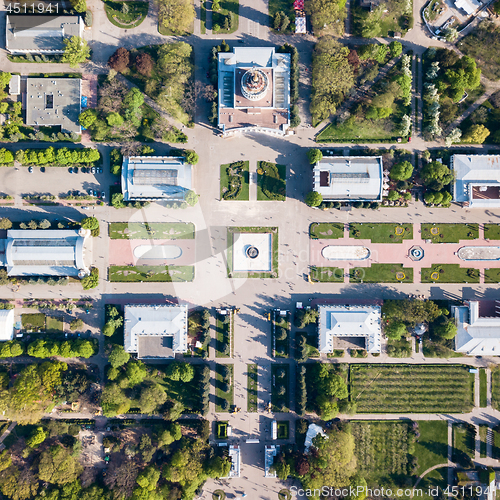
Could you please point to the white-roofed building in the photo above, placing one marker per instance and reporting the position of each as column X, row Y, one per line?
column 477, row 180
column 477, row 335
column 337, row 321
column 349, row 178
column 254, row 90
column 156, row 331
column 312, row 431
column 235, row 457
column 47, row 252
column 6, row 324
column 152, row 178
column 468, row 6
column 270, row 451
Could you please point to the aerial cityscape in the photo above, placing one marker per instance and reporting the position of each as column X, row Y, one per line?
column 250, row 249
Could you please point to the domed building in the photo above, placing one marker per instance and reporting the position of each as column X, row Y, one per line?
column 254, row 91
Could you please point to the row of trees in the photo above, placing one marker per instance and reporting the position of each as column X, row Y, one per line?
column 50, row 156
column 78, row 348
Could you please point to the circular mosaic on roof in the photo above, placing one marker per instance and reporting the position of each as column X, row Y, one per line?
column 254, row 84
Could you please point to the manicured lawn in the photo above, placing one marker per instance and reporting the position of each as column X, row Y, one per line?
column 483, row 436
column 381, row 273
column 449, row 233
column 463, row 441
column 492, row 231
column 135, row 16
column 492, row 275
column 483, row 397
column 381, row 233
column 280, row 403
column 326, row 230
column 271, row 181
column 411, row 388
column 151, row 231
column 381, row 449
column 399, row 348
column 495, row 388
column 282, row 346
column 327, row 274
column 357, row 129
column 311, row 343
column 431, row 447
column 275, row 251
column 152, row 274
column 252, row 378
column 220, row 395
column 394, row 18
column 203, row 17
column 496, row 444
column 283, row 429
column 228, row 7
column 34, row 322
column 234, row 181
column 449, row 273
column 223, row 330
column 54, row 325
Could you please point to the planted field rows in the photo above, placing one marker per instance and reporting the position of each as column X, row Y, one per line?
column 411, row 388
column 381, row 446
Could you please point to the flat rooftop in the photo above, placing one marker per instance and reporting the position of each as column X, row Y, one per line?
column 54, row 102
column 40, row 34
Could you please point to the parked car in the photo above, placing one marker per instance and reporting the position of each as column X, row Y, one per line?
column 99, row 170
column 70, row 170
column 30, row 170
column 103, row 195
column 93, row 170
column 75, row 170
column 90, row 192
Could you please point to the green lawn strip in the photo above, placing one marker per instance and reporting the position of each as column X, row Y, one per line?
column 492, row 231
column 54, row 325
column 380, row 232
column 33, row 321
column 280, row 403
column 449, row 273
column 381, row 273
column 393, row 18
column 311, row 343
column 431, row 447
column 271, row 181
column 482, row 388
column 151, row 274
column 496, row 444
column 222, row 336
column 203, row 17
column 138, row 11
column 244, row 191
column 282, row 346
column 495, row 388
column 151, row 230
column 381, row 449
column 463, row 441
column 358, row 129
column 252, row 388
column 326, row 230
column 228, row 7
column 483, row 438
column 450, row 233
column 219, row 393
column 327, row 274
column 406, row 388
column 492, row 275
column 253, row 229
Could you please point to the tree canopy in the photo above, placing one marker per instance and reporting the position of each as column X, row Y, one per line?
column 76, row 51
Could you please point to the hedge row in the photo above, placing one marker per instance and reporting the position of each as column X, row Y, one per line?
column 57, row 157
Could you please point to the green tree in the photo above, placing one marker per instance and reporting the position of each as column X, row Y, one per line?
column 191, row 198
column 410, row 312
column 314, row 199
column 37, row 436
column 58, row 466
column 169, row 435
column 152, row 397
column 314, row 156
column 217, row 467
column 114, row 118
column 277, row 21
column 79, row 5
column 4, row 79
column 476, row 134
column 436, row 175
column 191, row 157
column 114, row 401
column 395, row 330
column 76, row 51
column 87, row 118
column 134, row 99
column 135, row 373
column 396, row 48
column 329, row 13
column 117, row 200
column 118, row 356
column 446, row 331
column 5, row 223
column 90, row 223
column 176, row 15
column 401, row 171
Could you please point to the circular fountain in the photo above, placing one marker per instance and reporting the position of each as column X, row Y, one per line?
column 416, row 253
column 252, row 252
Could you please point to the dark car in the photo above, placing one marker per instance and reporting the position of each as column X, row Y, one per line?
column 75, row 170
column 30, row 170
column 70, row 170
